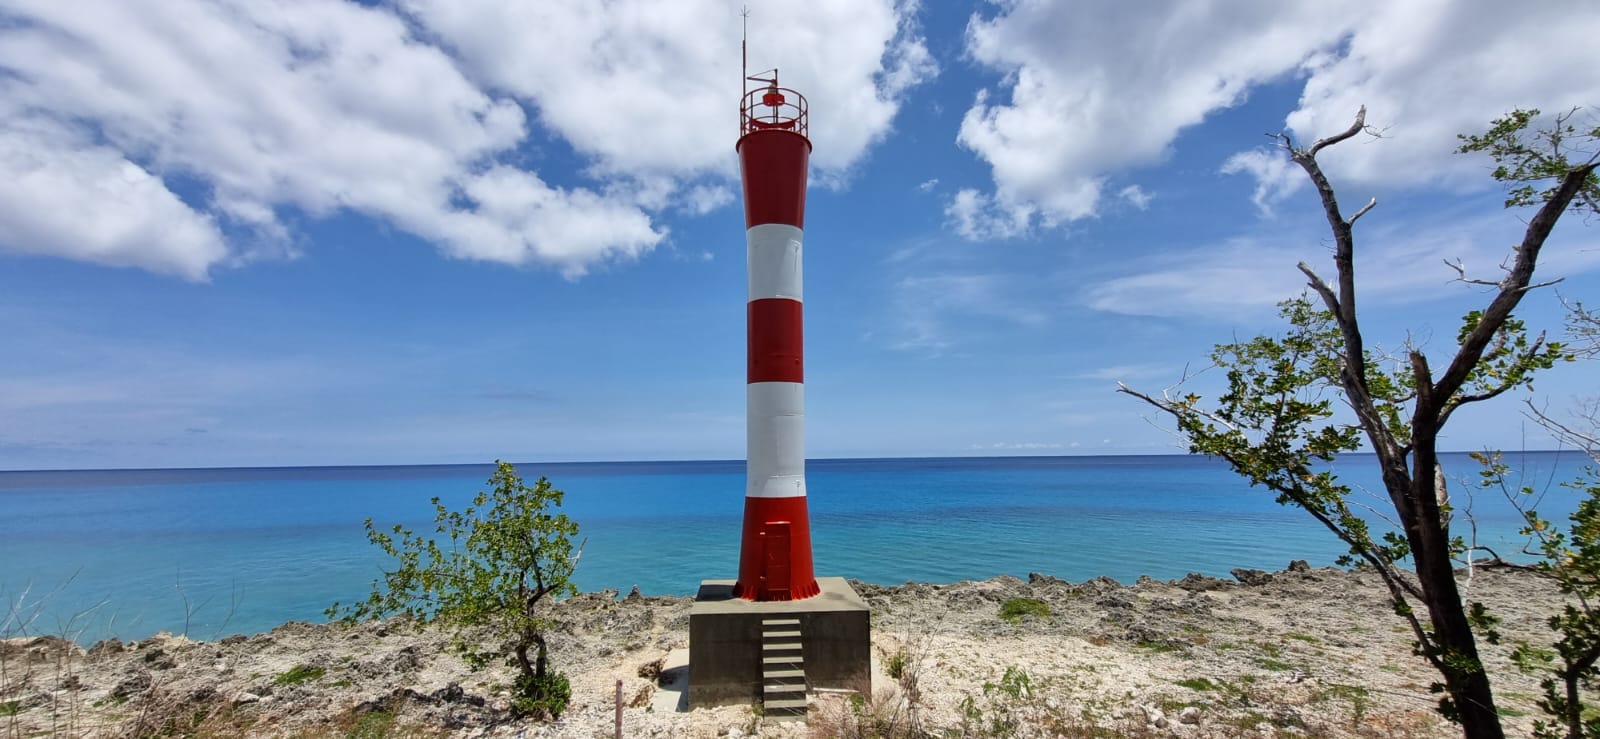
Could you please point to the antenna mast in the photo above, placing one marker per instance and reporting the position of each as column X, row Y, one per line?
column 744, row 52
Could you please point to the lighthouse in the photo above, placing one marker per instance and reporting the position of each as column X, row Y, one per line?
column 778, row 632
column 774, row 150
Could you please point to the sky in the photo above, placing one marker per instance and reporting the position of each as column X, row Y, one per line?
column 308, row 232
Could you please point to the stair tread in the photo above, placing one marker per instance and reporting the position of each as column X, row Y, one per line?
column 780, row 646
column 780, row 622
column 780, row 635
column 795, row 660
column 786, row 703
column 771, row 690
column 782, row 674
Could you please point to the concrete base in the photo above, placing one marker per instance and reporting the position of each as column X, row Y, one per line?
column 725, row 642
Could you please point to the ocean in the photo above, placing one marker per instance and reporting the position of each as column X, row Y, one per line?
column 213, row 552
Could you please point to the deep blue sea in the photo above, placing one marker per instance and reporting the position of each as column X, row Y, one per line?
column 212, row 552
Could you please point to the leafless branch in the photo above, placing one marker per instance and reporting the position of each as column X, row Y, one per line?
column 1351, row 221
column 1355, row 128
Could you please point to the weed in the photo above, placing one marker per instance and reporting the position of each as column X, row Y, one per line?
column 1156, row 647
column 1014, row 609
column 299, row 674
column 894, row 665
column 1307, row 638
column 1197, row 683
column 10, row 708
column 1360, row 699
column 374, row 725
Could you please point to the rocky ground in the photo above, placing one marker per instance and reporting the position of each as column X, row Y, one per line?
column 1307, row 652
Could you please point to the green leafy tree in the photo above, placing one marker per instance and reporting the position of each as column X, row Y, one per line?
column 1276, row 424
column 490, row 569
column 1570, row 558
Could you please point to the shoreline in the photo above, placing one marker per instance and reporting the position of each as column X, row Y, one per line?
column 1301, row 651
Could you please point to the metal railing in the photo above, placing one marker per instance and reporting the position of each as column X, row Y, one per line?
column 773, row 108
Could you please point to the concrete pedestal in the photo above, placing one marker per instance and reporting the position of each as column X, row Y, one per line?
column 725, row 636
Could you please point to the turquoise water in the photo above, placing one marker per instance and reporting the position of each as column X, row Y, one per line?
column 214, row 552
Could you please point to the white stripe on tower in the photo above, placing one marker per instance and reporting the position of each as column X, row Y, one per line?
column 776, row 419
column 777, row 428
column 774, row 261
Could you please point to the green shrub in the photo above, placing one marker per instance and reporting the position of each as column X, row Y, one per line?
column 299, row 674
column 1015, row 608
column 543, row 696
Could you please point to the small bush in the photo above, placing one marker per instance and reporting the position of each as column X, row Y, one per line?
column 543, row 696
column 1197, row 683
column 895, row 664
column 1015, row 608
column 299, row 674
column 10, row 708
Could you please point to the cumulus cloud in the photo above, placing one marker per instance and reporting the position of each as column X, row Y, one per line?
column 1428, row 71
column 977, row 216
column 1095, row 88
column 119, row 213
column 194, row 127
column 646, row 87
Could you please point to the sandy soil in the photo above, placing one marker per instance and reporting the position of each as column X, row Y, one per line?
column 1296, row 653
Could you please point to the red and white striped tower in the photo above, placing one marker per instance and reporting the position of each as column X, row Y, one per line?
column 775, row 551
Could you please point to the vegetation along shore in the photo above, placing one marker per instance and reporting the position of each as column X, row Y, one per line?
column 1303, row 652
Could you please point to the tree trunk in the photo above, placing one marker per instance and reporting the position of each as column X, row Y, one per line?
column 1465, row 679
column 544, row 657
column 522, row 657
column 1574, row 707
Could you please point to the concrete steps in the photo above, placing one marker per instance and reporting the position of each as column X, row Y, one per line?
column 783, row 670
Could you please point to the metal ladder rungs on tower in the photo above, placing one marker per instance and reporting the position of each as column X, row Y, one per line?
column 783, row 672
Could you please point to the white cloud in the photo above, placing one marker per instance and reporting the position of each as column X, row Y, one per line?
column 1428, row 71
column 928, row 185
column 236, row 112
column 646, row 87
column 1099, row 88
column 1020, row 446
column 1094, row 89
column 1276, row 176
column 702, row 199
column 1400, row 264
column 60, row 194
column 977, row 216
column 929, row 307
column 1136, row 196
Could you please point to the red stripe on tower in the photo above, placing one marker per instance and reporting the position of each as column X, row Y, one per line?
column 775, row 549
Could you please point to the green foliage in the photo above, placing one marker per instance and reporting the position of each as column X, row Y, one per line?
column 1198, row 684
column 10, row 708
column 1546, row 154
column 490, row 566
column 373, row 725
column 299, row 674
column 1572, row 559
column 541, row 696
column 1007, row 701
column 1014, row 609
column 1275, row 422
column 895, row 664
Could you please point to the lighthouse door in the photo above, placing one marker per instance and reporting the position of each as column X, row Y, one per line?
column 775, row 552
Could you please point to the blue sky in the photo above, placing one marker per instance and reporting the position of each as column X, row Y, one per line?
column 434, row 231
